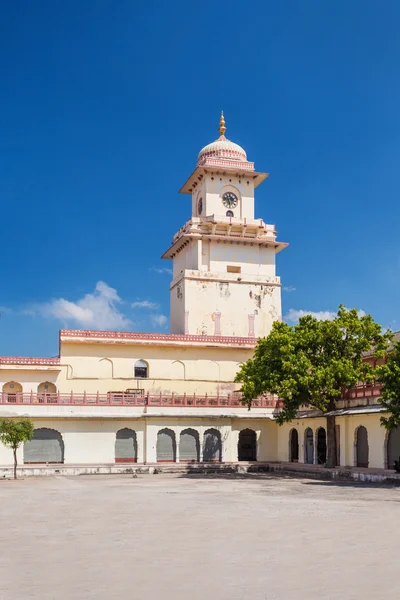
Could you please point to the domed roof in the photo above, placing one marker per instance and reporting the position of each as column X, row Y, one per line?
column 222, row 148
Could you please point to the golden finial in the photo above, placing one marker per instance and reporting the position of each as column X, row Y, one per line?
column 222, row 127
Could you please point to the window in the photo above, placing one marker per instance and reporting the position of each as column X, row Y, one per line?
column 232, row 269
column 141, row 369
column 229, row 213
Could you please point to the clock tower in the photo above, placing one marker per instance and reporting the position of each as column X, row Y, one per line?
column 224, row 280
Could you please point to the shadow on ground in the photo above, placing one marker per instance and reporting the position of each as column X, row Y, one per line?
column 304, row 480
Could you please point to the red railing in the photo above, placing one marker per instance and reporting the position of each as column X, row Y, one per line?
column 128, row 399
column 363, row 391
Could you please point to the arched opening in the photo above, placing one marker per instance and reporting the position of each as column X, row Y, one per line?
column 294, row 446
column 308, row 446
column 166, row 446
column 46, row 387
column 105, row 368
column 189, row 446
column 212, row 446
column 46, row 446
column 321, row 446
column 177, row 370
column 362, row 450
column 11, row 388
column 125, row 446
column 247, row 445
column 141, row 369
column 393, row 447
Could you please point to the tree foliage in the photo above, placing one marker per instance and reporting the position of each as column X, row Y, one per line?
column 389, row 376
column 13, row 433
column 313, row 363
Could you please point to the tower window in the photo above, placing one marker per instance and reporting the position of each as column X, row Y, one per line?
column 141, row 369
column 229, row 213
column 232, row 269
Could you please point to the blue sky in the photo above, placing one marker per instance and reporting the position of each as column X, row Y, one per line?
column 104, row 108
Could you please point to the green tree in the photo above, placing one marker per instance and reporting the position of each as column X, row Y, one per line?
column 13, row 434
column 313, row 363
column 389, row 376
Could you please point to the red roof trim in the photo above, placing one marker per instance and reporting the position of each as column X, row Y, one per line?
column 28, row 360
column 160, row 337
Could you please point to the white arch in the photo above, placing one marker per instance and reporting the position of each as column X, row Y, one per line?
column 178, row 370
column 106, row 368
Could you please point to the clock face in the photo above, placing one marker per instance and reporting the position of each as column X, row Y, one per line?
column 229, row 200
column 200, row 206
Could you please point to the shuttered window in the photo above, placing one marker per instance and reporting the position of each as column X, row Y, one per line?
column 393, row 447
column 212, row 450
column 166, row 446
column 126, row 446
column 46, row 446
column 189, row 446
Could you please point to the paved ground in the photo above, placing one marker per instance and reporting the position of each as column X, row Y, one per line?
column 197, row 537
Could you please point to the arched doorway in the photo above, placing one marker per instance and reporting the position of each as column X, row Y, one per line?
column 46, row 387
column 125, row 446
column 166, row 446
column 362, row 450
column 212, row 447
column 46, row 446
column 293, row 446
column 308, row 446
column 393, row 447
column 189, row 446
column 11, row 388
column 247, row 445
column 321, row 446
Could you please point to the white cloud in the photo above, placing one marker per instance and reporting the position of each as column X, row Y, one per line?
column 161, row 270
column 145, row 304
column 293, row 315
column 95, row 311
column 289, row 288
column 159, row 320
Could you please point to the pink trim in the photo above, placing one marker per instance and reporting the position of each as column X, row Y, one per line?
column 186, row 322
column 27, row 360
column 158, row 337
column 126, row 399
column 251, row 326
column 217, row 323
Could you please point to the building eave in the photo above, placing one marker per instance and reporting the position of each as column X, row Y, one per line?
column 153, row 339
column 198, row 174
column 186, row 237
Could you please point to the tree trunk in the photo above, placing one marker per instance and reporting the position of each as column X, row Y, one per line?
column 331, row 441
column 15, row 462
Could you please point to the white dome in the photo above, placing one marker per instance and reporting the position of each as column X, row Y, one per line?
column 222, row 148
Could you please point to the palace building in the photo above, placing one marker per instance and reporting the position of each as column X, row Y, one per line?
column 122, row 397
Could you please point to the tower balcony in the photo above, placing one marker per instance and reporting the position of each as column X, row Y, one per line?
column 222, row 228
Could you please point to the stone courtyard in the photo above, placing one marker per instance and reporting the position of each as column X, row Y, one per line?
column 191, row 537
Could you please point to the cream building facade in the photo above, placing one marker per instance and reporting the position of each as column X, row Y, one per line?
column 122, row 397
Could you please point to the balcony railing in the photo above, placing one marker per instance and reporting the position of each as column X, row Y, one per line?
column 363, row 390
column 129, row 399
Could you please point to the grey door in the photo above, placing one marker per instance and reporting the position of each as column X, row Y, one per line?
column 46, row 446
column 308, row 446
column 166, row 446
column 362, row 447
column 247, row 446
column 189, row 446
column 125, row 446
column 393, row 447
column 212, row 447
